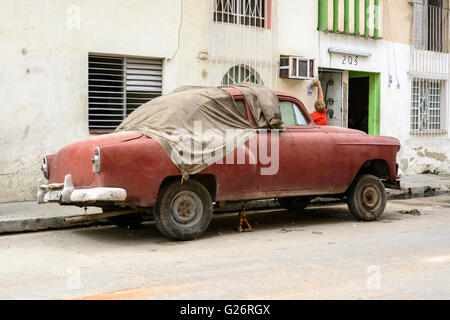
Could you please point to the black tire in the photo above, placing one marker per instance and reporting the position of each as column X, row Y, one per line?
column 183, row 211
column 294, row 203
column 132, row 220
column 366, row 198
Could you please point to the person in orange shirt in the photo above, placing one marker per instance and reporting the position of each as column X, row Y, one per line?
column 320, row 115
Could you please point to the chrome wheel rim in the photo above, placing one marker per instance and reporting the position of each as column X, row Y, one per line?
column 186, row 209
column 371, row 197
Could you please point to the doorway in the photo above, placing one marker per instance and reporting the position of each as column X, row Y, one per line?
column 358, row 103
column 364, row 102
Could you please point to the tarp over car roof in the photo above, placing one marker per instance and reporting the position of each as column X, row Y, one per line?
column 199, row 125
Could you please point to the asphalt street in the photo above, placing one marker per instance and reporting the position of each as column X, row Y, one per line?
column 320, row 253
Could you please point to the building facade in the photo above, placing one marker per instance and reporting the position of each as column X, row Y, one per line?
column 74, row 69
column 393, row 57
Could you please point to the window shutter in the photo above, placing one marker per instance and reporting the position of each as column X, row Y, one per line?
column 105, row 92
column 117, row 86
column 143, row 81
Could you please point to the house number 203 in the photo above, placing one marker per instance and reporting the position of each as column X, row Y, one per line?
column 351, row 60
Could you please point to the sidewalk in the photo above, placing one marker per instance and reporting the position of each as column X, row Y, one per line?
column 30, row 216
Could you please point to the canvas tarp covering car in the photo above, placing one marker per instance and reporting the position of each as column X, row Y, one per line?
column 198, row 126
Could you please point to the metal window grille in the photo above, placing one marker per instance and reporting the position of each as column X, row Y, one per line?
column 429, row 69
column 244, row 12
column 430, row 27
column 233, row 45
column 429, row 50
column 117, row 86
column 426, row 106
column 241, row 73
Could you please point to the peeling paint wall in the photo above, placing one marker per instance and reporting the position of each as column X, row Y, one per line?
column 431, row 156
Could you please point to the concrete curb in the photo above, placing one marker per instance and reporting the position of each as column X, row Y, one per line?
column 30, row 216
column 402, row 194
column 39, row 224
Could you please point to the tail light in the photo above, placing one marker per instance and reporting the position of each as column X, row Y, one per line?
column 44, row 167
column 96, row 160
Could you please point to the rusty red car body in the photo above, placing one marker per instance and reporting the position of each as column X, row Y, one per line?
column 313, row 160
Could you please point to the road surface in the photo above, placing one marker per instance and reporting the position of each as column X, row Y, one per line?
column 321, row 253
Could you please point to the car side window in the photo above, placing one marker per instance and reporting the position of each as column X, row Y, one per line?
column 291, row 114
column 287, row 113
column 240, row 104
column 301, row 120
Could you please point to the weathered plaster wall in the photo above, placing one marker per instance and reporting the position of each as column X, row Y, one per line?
column 44, row 102
column 298, row 36
column 397, row 15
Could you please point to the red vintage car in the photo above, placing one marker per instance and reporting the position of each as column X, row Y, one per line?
column 128, row 173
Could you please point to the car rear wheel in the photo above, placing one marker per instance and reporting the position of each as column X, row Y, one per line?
column 294, row 203
column 183, row 211
column 366, row 198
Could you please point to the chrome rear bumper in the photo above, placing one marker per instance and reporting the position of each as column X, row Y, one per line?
column 66, row 193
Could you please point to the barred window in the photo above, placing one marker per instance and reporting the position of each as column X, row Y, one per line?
column 117, row 86
column 426, row 105
column 241, row 73
column 244, row 12
column 430, row 27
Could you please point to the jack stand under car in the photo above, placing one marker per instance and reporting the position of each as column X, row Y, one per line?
column 243, row 219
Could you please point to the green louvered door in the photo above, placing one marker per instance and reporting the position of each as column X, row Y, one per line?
column 352, row 17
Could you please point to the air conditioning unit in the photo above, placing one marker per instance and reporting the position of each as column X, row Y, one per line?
column 296, row 67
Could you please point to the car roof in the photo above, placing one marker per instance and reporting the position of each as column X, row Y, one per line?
column 232, row 91
column 284, row 93
column 237, row 92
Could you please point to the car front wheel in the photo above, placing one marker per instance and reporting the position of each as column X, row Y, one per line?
column 183, row 211
column 366, row 198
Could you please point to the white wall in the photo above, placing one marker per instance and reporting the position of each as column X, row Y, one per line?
column 298, row 36
column 43, row 63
